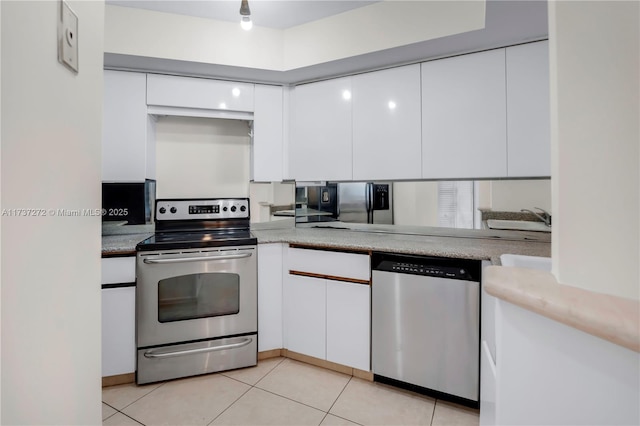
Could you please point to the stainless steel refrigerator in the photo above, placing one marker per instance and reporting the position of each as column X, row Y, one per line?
column 365, row 202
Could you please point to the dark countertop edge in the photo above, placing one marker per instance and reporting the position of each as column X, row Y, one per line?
column 118, row 253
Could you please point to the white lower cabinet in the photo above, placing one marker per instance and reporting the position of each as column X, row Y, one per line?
column 270, row 296
column 118, row 315
column 348, row 319
column 305, row 315
column 327, row 305
column 487, row 386
column 328, row 320
column 118, row 331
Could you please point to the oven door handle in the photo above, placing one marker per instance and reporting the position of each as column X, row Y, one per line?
column 198, row 259
column 150, row 354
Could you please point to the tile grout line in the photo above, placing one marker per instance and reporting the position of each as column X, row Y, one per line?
column 292, row 400
column 247, row 391
column 135, row 420
column 231, row 405
column 302, row 403
column 334, row 403
column 433, row 413
column 146, row 394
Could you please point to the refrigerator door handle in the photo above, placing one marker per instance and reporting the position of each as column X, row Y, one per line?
column 368, row 196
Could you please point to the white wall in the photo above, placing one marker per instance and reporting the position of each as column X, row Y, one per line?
column 378, row 26
column 202, row 157
column 264, row 195
column 415, row 203
column 153, row 34
column 51, row 144
column 0, row 220
column 514, row 195
column 595, row 60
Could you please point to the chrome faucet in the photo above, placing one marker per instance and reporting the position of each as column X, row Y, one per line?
column 545, row 216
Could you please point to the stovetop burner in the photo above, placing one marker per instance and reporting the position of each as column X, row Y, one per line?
column 200, row 223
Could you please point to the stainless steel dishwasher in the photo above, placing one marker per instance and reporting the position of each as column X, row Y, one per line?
column 426, row 325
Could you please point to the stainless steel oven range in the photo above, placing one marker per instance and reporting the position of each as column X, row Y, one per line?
column 197, row 290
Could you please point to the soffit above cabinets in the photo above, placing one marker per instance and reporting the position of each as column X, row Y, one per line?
column 506, row 23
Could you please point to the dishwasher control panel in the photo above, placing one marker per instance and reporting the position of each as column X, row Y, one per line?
column 431, row 271
column 455, row 269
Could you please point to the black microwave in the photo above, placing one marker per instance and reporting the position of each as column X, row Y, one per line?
column 130, row 202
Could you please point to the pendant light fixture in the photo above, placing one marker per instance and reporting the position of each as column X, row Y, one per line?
column 245, row 16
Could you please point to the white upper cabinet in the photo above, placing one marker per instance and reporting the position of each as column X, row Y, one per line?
column 528, row 110
column 464, row 117
column 320, row 147
column 268, row 134
column 199, row 93
column 386, row 124
column 124, row 129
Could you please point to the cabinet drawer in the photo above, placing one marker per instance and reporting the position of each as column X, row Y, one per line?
column 116, row 270
column 202, row 93
column 329, row 263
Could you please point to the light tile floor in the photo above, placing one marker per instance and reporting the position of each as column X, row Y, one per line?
column 277, row 391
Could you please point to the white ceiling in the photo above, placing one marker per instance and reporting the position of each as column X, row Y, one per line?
column 278, row 14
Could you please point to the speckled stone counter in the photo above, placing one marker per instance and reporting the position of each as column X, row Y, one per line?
column 119, row 239
column 457, row 246
column 121, row 245
column 467, row 244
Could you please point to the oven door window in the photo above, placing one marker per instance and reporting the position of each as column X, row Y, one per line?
column 201, row 295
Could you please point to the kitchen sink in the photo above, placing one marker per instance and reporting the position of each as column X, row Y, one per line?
column 518, row 225
column 530, row 262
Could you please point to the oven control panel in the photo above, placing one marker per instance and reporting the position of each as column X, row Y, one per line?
column 205, row 209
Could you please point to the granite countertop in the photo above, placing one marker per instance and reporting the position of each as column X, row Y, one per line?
column 467, row 244
column 450, row 244
column 609, row 317
column 119, row 239
column 122, row 244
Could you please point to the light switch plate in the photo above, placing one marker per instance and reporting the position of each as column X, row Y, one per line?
column 68, row 37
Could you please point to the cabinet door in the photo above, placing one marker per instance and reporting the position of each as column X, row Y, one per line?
column 124, row 127
column 270, row 296
column 320, row 145
column 528, row 110
column 199, row 93
column 305, row 315
column 348, row 330
column 118, row 331
column 387, row 124
column 464, row 117
column 487, row 387
column 118, row 270
column 268, row 134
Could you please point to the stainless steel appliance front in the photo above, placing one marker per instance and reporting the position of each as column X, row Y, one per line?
column 425, row 324
column 193, row 297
